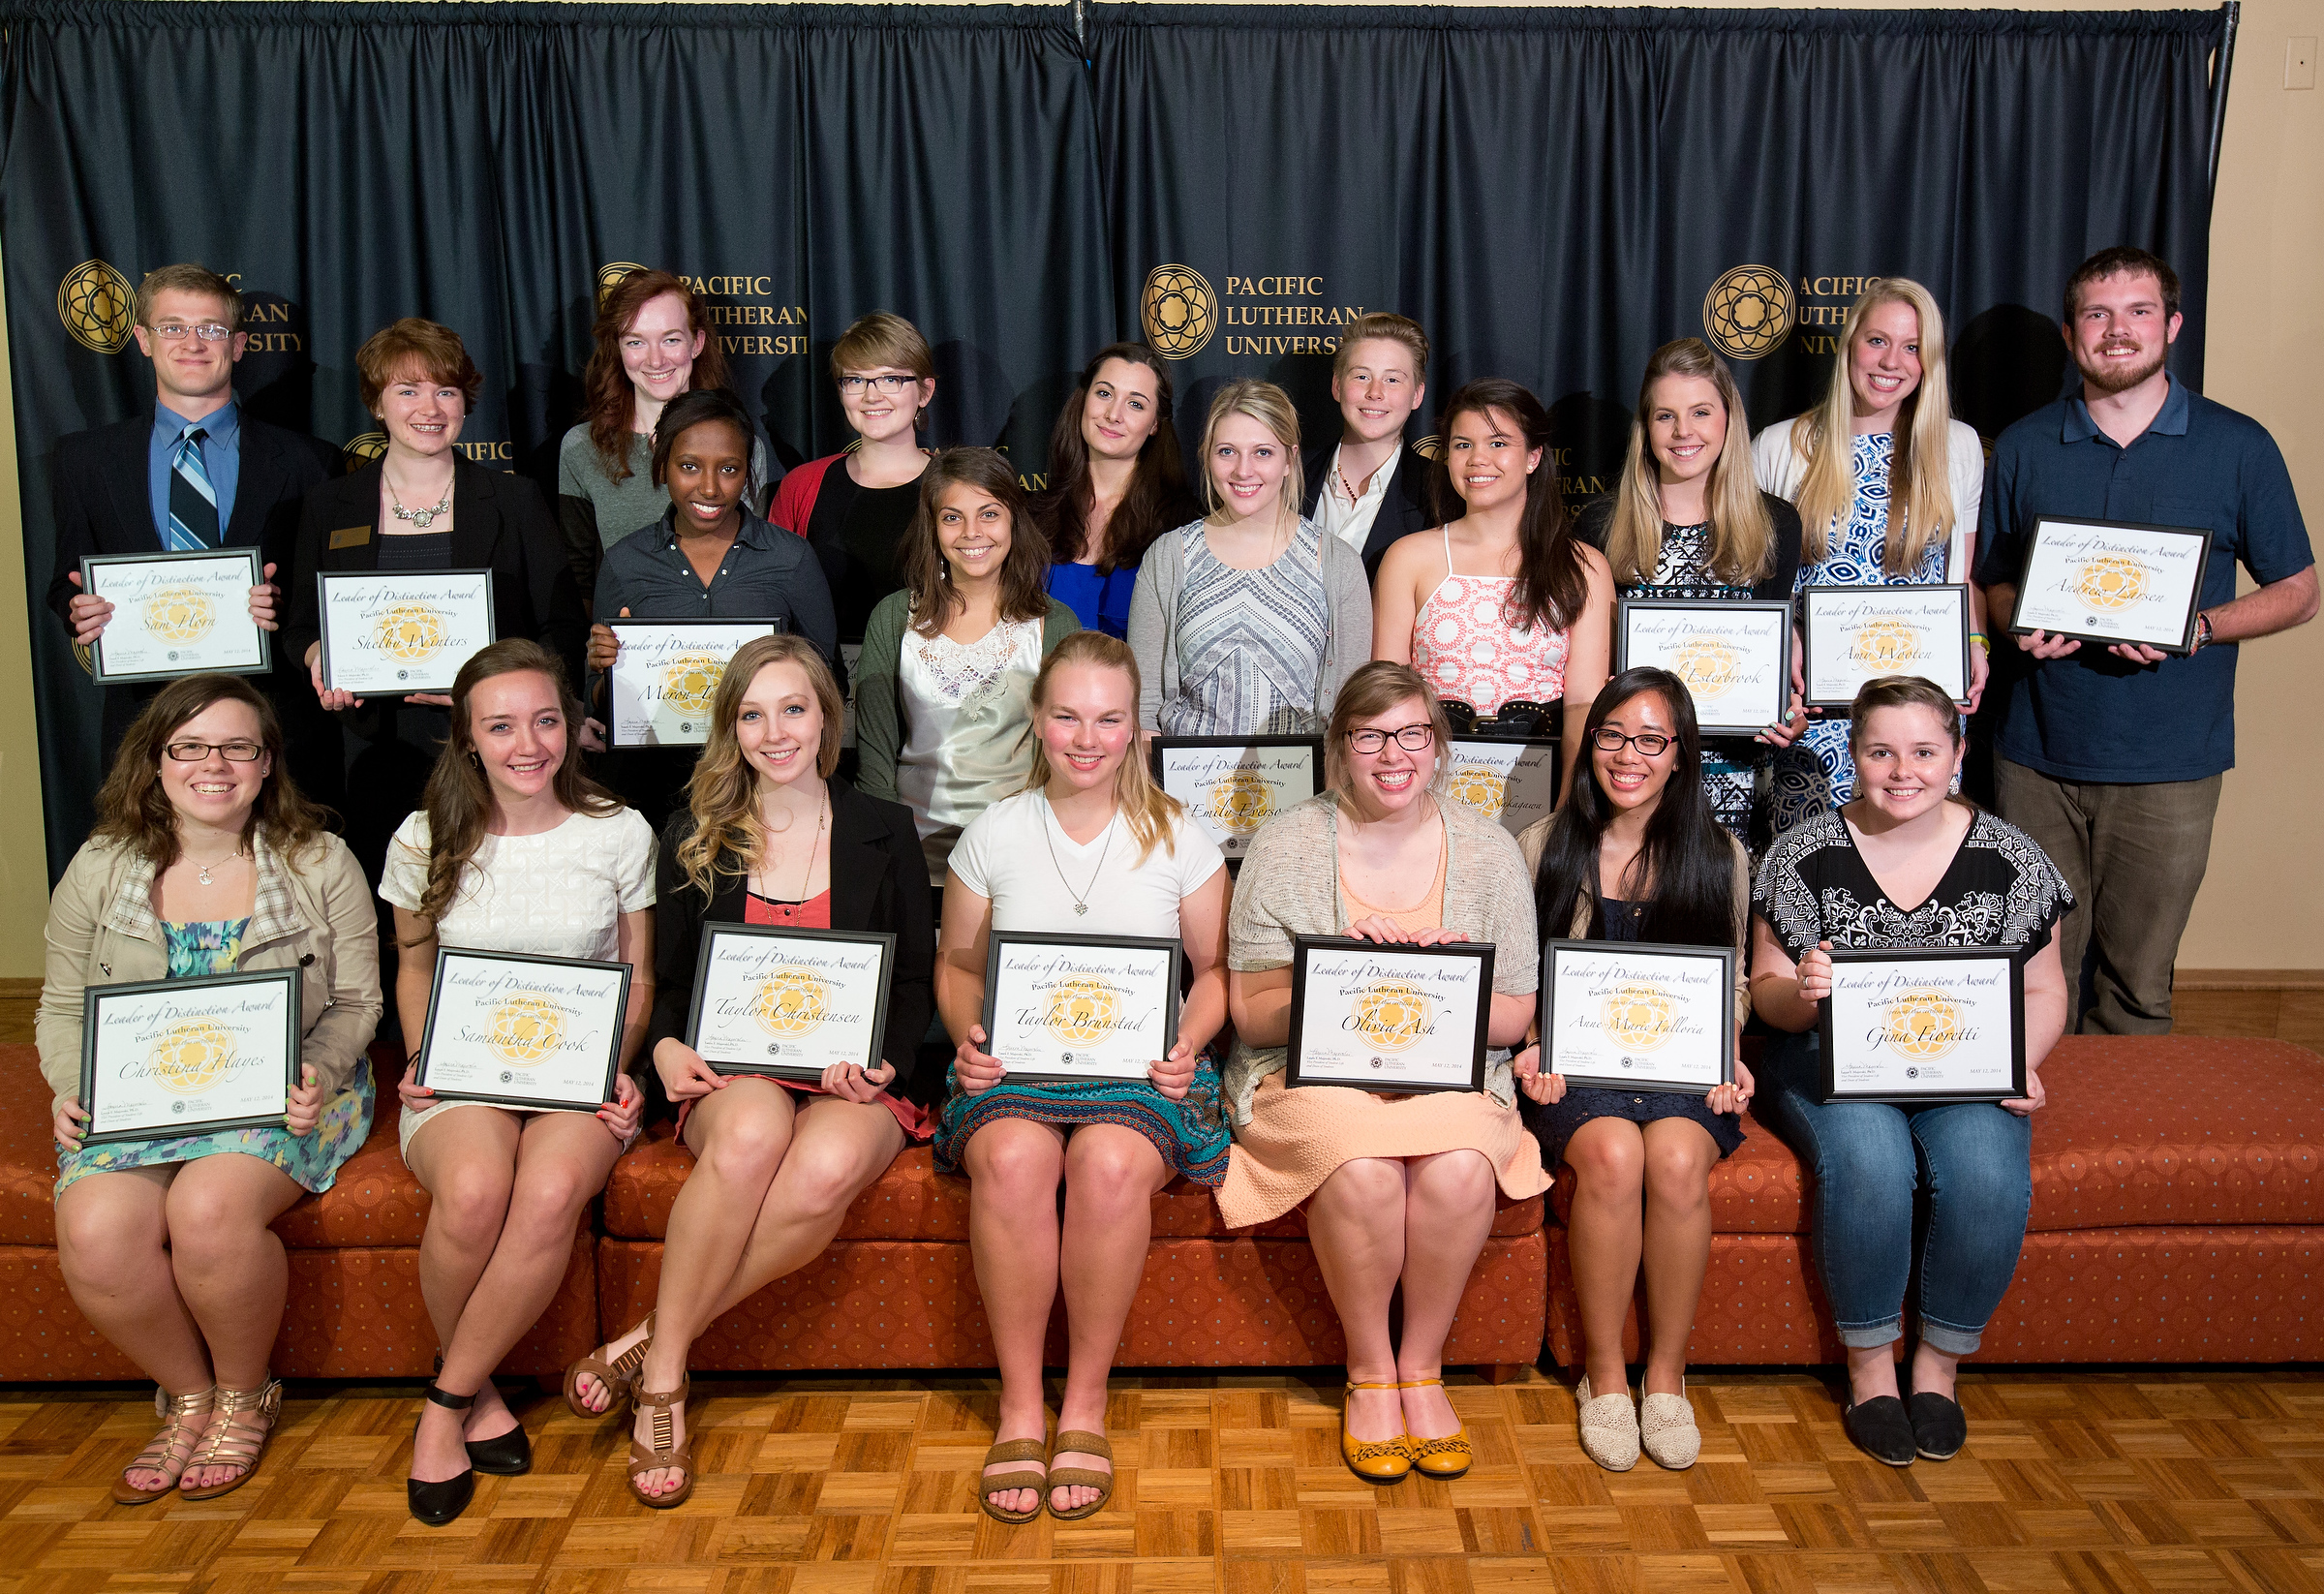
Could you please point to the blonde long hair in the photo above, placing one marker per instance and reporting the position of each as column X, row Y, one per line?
column 724, row 793
column 1920, row 481
column 1272, row 407
column 1742, row 534
column 1153, row 812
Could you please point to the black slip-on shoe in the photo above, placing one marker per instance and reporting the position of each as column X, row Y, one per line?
column 1940, row 1429
column 1880, row 1429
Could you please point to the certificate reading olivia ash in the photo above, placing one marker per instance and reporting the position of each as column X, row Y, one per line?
column 666, row 674
column 523, row 1031
column 161, row 1058
column 1392, row 1019
column 1917, row 1026
column 388, row 634
column 789, row 1003
column 1061, row 1008
column 1638, row 1016
column 1735, row 657
column 176, row 614
column 2113, row 581
column 1233, row 785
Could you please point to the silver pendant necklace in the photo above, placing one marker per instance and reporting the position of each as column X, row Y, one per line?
column 201, row 872
column 421, row 519
column 1081, row 897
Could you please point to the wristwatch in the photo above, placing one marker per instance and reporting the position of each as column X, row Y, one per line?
column 2202, row 634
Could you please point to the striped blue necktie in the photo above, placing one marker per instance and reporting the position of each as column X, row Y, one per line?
column 193, row 501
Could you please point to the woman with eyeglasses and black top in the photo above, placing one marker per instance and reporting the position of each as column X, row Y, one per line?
column 1634, row 854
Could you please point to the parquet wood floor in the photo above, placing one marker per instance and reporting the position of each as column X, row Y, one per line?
column 2147, row 1483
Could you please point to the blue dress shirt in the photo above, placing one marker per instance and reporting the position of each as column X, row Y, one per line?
column 221, row 455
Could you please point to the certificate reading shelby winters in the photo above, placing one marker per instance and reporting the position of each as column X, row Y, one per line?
column 408, row 632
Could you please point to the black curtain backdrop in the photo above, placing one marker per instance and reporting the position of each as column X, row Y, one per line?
column 1552, row 193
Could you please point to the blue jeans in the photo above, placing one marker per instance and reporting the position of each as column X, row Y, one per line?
column 1868, row 1159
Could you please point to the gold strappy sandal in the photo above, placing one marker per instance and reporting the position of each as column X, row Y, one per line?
column 618, row 1375
column 229, row 1446
column 665, row 1451
column 1081, row 1443
column 164, row 1452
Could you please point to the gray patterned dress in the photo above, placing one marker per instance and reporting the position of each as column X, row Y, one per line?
column 1250, row 643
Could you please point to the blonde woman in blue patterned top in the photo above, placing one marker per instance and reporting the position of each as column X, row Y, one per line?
column 204, row 860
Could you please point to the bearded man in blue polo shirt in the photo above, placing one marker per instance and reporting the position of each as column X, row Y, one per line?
column 2112, row 759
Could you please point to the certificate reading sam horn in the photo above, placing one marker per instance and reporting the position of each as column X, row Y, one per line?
column 529, row 1032
column 170, row 1057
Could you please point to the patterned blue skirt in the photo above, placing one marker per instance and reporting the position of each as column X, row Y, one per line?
column 312, row 1161
column 1191, row 1134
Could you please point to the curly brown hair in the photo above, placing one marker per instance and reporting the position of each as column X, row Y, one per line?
column 133, row 809
column 605, row 387
column 1023, row 569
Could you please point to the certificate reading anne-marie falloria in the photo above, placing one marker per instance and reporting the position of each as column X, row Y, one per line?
column 1921, row 1024
column 161, row 1058
column 176, row 614
column 1392, row 1019
column 1080, row 1007
column 398, row 633
column 524, row 1031
column 1638, row 1016
column 770, row 999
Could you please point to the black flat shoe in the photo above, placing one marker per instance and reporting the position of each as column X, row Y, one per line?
column 1880, row 1429
column 439, row 1503
column 1938, row 1427
column 504, row 1454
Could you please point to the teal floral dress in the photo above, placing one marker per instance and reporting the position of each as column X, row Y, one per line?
column 198, row 948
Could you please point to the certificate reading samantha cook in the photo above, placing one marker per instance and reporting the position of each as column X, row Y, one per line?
column 789, row 1003
column 1063, row 1008
column 1917, row 1025
column 524, row 1031
column 402, row 632
column 1392, row 1019
column 176, row 614
column 170, row 1057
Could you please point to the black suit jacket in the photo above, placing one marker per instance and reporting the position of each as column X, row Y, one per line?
column 878, row 883
column 1403, row 511
column 104, row 502
column 499, row 522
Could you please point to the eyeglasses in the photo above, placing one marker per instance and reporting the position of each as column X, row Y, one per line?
column 170, row 331
column 890, row 385
column 1650, row 744
column 233, row 752
column 1416, row 738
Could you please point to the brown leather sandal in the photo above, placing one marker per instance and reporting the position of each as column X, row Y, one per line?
column 1085, row 1444
column 1014, row 1449
column 231, row 1446
column 164, row 1452
column 665, row 1451
column 618, row 1375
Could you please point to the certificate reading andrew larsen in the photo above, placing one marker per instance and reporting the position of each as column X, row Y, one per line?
column 1233, row 785
column 161, row 1058
column 1064, row 1008
column 666, row 674
column 176, row 614
column 1392, row 1019
column 522, row 1032
column 1639, row 1015
column 1735, row 657
column 1854, row 635
column 789, row 1003
column 2113, row 581
column 1917, row 1025
column 402, row 632
column 1511, row 782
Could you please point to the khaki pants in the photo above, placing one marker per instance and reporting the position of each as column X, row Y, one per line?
column 2133, row 856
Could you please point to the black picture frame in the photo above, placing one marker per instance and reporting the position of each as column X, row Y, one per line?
column 987, row 1010
column 1303, row 946
column 91, row 565
column 322, row 620
column 1807, row 634
column 713, row 931
column 1827, row 1056
column 1545, row 1010
column 2194, row 597
column 613, row 741
column 94, row 997
column 1551, row 745
column 1159, row 745
column 613, row 1055
column 1624, row 608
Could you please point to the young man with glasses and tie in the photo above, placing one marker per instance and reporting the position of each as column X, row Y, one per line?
column 193, row 473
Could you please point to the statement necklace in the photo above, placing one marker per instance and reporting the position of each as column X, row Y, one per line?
column 1081, row 897
column 421, row 519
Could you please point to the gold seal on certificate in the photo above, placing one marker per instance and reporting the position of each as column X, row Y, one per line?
column 524, row 1031
column 2112, row 581
column 1061, row 1008
column 1233, row 785
column 1917, row 1025
column 1392, row 1019
column 1735, row 657
column 667, row 673
column 176, row 614
column 1511, row 782
column 1638, row 1016
column 159, row 1058
column 789, row 1003
column 392, row 633
column 1854, row 635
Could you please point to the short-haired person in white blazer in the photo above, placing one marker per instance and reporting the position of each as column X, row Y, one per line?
column 1888, row 485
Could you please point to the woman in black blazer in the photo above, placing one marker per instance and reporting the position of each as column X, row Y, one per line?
column 421, row 507
column 770, row 837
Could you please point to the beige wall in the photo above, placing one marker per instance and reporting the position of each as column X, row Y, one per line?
column 2263, row 906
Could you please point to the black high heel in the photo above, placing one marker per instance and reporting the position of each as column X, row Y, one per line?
column 439, row 1503
column 504, row 1454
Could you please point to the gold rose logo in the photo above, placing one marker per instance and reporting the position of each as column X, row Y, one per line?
column 1709, row 666
column 1922, row 1025
column 688, row 680
column 1886, row 647
column 1637, row 1015
column 610, row 278
column 97, row 306
column 180, row 613
column 1080, row 1011
column 191, row 1055
column 1484, row 789
column 1177, row 310
column 792, row 1000
column 2114, row 581
column 413, row 632
column 1392, row 1015
column 1240, row 803
column 526, row 1029
column 1748, row 311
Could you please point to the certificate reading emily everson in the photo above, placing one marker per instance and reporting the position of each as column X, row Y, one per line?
column 1393, row 1019
column 169, row 1057
column 405, row 632
column 522, row 1032
column 1917, row 1025
column 791, row 1002
column 1080, row 1007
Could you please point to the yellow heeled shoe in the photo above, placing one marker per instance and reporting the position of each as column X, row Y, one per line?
column 1375, row 1461
column 1443, row 1459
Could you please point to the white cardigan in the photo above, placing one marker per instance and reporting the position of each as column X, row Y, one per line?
column 1778, row 469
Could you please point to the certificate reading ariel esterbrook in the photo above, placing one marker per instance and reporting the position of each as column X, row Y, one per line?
column 176, row 614
column 1734, row 658
column 170, row 1057
column 405, row 632
column 527, row 1032
column 789, row 1003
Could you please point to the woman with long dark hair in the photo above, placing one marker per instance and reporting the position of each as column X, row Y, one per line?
column 1634, row 854
column 1118, row 482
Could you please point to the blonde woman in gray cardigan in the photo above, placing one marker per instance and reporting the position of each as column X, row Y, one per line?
column 1245, row 622
column 1398, row 1189
column 204, row 860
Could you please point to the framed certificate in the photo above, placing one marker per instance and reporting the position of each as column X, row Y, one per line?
column 1853, row 635
column 1392, row 1019
column 1917, row 1025
column 2113, row 581
column 789, row 1003
column 390, row 634
column 1063, row 1008
column 159, row 1058
column 176, row 614
column 1511, row 782
column 1735, row 656
column 665, row 675
column 1638, row 1016
column 1233, row 785
column 524, row 1031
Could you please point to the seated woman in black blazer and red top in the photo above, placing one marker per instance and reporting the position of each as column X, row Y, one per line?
column 420, row 506
column 770, row 838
